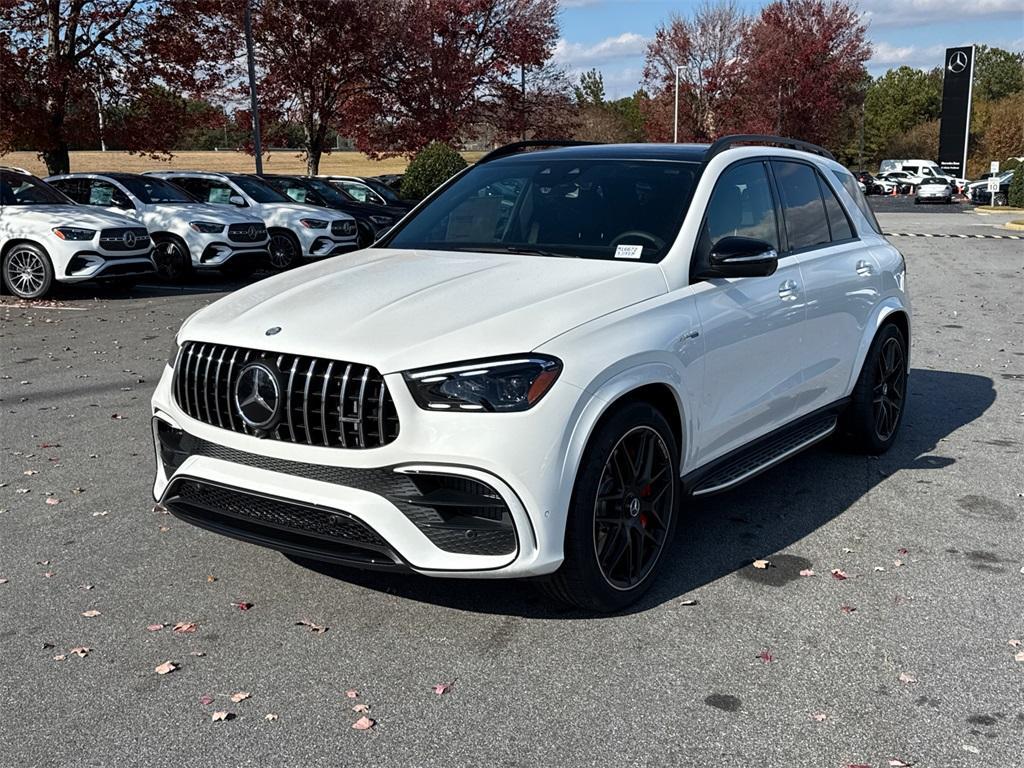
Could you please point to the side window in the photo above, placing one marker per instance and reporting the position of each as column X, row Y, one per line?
column 741, row 205
column 837, row 221
column 76, row 189
column 853, row 190
column 802, row 206
column 105, row 194
column 357, row 191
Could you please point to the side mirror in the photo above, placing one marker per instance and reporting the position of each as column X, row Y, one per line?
column 238, row 200
column 741, row 257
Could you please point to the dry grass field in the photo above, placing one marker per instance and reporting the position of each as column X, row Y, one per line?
column 347, row 163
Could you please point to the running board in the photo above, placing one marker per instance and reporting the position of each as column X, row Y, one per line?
column 764, row 454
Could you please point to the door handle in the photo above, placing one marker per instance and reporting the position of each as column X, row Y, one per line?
column 788, row 289
column 864, row 268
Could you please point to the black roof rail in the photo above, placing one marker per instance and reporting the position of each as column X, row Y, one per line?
column 518, row 146
column 728, row 142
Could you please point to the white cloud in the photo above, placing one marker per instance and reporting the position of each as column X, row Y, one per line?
column 887, row 55
column 623, row 46
column 909, row 13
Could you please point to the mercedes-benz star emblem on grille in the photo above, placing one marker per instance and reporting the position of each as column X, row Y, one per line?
column 258, row 396
column 129, row 239
column 252, row 233
column 273, row 331
column 958, row 62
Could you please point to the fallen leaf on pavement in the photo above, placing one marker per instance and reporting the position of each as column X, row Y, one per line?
column 761, row 564
column 766, row 656
column 688, row 602
column 242, row 606
column 270, row 717
column 897, row 563
column 91, row 614
column 206, row 699
column 59, row 657
column 197, row 653
column 1019, row 656
column 837, row 573
column 847, row 609
column 905, row 678
column 154, row 627
column 902, row 551
column 166, row 668
column 352, row 693
column 240, row 696
column 184, row 626
column 3, row 581
column 363, row 724
column 970, row 748
column 52, row 501
column 81, row 651
column 361, row 709
column 222, row 715
column 442, row 688
column 30, row 472
column 819, row 717
column 879, row 568
column 896, row 763
column 807, row 572
column 316, row 629
column 1013, row 643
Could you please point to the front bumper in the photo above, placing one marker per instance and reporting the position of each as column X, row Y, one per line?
column 321, row 243
column 403, row 499
column 96, row 264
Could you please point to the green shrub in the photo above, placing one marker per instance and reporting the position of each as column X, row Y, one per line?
column 432, row 167
column 1015, row 196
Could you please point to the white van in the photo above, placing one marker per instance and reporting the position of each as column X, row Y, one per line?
column 920, row 169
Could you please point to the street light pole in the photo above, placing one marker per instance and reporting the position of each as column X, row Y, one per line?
column 254, row 106
column 675, row 111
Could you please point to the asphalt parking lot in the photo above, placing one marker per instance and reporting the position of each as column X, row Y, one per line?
column 910, row 658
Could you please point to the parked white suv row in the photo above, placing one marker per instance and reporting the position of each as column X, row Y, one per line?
column 533, row 371
column 45, row 238
column 297, row 231
column 187, row 235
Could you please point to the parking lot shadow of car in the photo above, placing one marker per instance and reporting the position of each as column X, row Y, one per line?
column 151, row 285
column 724, row 534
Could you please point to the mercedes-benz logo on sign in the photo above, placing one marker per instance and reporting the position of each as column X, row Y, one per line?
column 129, row 239
column 258, row 395
column 957, row 62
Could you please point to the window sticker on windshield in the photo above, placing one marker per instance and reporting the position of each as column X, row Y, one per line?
column 628, row 251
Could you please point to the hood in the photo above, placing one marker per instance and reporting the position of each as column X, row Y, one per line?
column 71, row 216
column 285, row 214
column 208, row 211
column 401, row 309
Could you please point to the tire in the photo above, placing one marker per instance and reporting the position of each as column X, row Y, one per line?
column 27, row 271
column 872, row 421
column 284, row 251
column 596, row 574
column 172, row 259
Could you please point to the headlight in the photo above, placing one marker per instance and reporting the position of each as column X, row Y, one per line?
column 506, row 384
column 381, row 220
column 172, row 358
column 73, row 233
column 313, row 223
column 206, row 227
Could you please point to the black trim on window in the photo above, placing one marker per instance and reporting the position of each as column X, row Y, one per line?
column 828, row 224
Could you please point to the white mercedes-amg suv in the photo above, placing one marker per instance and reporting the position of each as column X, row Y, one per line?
column 45, row 238
column 187, row 235
column 297, row 232
column 531, row 373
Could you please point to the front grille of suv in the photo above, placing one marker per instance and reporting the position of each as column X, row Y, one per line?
column 114, row 239
column 247, row 233
column 324, row 402
column 343, row 228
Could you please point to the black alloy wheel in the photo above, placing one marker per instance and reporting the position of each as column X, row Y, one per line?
column 172, row 260
column 635, row 498
column 889, row 390
column 284, row 250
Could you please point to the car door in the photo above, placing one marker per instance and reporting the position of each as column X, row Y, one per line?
column 752, row 326
column 841, row 280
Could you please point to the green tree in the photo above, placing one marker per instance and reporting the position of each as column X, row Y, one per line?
column 590, row 91
column 1015, row 197
column 997, row 73
column 896, row 102
column 432, row 167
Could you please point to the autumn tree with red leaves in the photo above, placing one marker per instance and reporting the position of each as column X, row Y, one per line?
column 804, row 68
column 57, row 55
column 456, row 63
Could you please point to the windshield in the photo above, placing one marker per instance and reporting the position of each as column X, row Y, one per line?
column 16, row 189
column 328, row 192
column 592, row 208
column 383, row 190
column 151, row 190
column 258, row 190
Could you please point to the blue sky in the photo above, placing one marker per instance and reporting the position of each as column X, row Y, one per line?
column 612, row 35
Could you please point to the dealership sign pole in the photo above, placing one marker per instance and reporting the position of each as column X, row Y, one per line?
column 955, row 120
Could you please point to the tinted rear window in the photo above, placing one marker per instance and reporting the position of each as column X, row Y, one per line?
column 803, row 208
column 853, row 189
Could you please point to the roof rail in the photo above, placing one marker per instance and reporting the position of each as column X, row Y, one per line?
column 518, row 146
column 728, row 142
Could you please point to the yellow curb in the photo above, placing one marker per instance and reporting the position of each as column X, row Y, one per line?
column 997, row 209
column 1019, row 224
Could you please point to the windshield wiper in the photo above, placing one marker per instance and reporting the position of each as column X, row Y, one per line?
column 525, row 251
